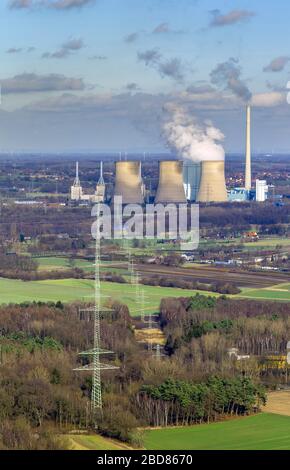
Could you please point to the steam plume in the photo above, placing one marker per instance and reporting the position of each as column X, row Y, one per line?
column 191, row 139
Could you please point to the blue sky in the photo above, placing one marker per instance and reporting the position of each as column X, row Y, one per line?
column 96, row 75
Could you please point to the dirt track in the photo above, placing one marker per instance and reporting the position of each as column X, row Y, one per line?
column 278, row 403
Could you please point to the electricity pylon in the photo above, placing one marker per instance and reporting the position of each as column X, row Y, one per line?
column 94, row 354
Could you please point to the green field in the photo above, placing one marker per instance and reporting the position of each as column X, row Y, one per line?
column 269, row 243
column 69, row 290
column 264, row 243
column 279, row 292
column 261, row 432
column 55, row 263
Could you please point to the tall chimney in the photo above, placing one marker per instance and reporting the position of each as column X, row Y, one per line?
column 212, row 184
column 170, row 186
column 128, row 182
column 248, row 175
column 77, row 179
column 101, row 179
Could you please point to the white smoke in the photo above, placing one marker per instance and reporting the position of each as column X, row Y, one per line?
column 191, row 139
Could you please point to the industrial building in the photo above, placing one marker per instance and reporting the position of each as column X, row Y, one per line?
column 77, row 194
column 100, row 192
column 238, row 195
column 262, row 190
column 191, row 179
column 76, row 190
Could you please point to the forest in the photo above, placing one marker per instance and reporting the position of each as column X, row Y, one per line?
column 180, row 403
column 45, row 223
column 42, row 398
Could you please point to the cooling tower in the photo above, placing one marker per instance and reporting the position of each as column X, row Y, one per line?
column 212, row 184
column 128, row 182
column 170, row 187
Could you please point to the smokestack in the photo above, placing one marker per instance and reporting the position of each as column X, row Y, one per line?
column 212, row 185
column 77, row 179
column 170, row 187
column 101, row 179
column 128, row 182
column 248, row 175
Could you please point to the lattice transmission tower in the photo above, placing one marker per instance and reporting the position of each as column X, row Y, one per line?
column 95, row 365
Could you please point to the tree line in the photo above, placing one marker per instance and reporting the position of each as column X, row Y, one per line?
column 183, row 403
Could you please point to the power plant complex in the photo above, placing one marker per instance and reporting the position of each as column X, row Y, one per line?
column 179, row 181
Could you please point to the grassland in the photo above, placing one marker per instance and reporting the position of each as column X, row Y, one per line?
column 93, row 442
column 261, row 432
column 269, row 243
column 55, row 263
column 280, row 292
column 278, row 402
column 263, row 243
column 69, row 290
column 265, row 431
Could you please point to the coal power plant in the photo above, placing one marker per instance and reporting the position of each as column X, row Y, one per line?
column 170, row 187
column 128, row 182
column 199, row 176
column 175, row 183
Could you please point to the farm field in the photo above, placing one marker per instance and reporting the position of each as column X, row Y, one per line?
column 265, row 431
column 203, row 273
column 210, row 274
column 69, row 290
column 56, row 263
column 262, row 243
column 269, row 243
column 279, row 292
column 261, row 432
